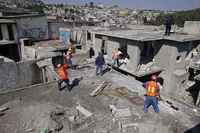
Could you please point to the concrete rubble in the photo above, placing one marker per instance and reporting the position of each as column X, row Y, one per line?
column 116, row 109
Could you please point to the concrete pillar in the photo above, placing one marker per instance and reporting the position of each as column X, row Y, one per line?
column 15, row 32
column 134, row 54
column 198, row 100
column 22, row 55
column 4, row 29
column 93, row 38
column 97, row 46
column 84, row 43
column 44, row 74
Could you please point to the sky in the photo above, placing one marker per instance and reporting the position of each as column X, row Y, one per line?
column 140, row 4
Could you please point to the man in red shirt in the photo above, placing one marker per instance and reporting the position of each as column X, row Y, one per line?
column 63, row 76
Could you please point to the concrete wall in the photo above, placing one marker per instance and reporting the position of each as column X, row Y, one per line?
column 134, row 52
column 175, row 70
column 29, row 53
column 16, row 75
column 97, row 45
column 192, row 27
column 4, row 32
column 54, row 29
column 179, row 68
column 34, row 27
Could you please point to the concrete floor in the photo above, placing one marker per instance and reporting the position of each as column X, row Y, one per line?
column 30, row 108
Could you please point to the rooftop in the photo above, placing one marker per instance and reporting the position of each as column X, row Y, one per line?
column 6, row 42
column 141, row 34
column 6, row 21
column 22, row 16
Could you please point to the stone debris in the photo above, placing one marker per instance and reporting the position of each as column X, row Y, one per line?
column 113, row 106
column 120, row 112
column 133, row 127
column 29, row 130
column 57, row 117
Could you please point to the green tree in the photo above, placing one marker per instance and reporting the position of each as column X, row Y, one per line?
column 37, row 8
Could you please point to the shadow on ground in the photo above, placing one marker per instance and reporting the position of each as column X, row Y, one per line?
column 195, row 129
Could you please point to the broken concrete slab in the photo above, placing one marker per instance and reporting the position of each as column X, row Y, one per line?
column 101, row 118
column 43, row 63
column 120, row 112
column 84, row 111
column 2, row 109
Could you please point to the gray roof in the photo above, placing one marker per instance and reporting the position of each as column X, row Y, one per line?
column 6, row 42
column 22, row 16
column 142, row 35
column 6, row 21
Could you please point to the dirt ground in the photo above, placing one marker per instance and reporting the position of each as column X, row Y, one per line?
column 43, row 107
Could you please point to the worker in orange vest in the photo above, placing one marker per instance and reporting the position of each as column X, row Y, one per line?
column 63, row 76
column 151, row 97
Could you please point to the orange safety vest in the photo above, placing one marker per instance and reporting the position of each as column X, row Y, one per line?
column 62, row 72
column 152, row 88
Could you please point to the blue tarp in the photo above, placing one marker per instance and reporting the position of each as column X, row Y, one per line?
column 64, row 36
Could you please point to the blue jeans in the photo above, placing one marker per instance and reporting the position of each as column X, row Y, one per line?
column 115, row 62
column 69, row 62
column 68, row 85
column 99, row 68
column 148, row 101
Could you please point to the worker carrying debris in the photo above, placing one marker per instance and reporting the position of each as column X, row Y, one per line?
column 99, row 62
column 115, row 57
column 63, row 77
column 152, row 95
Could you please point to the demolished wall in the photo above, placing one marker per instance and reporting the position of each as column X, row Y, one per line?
column 172, row 58
column 192, row 27
column 21, row 74
column 35, row 27
column 134, row 52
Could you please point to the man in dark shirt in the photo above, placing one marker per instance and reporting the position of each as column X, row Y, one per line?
column 99, row 62
column 168, row 25
column 91, row 52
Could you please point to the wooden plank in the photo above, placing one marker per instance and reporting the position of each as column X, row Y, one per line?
column 198, row 100
column 99, row 89
column 84, row 111
column 2, row 109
